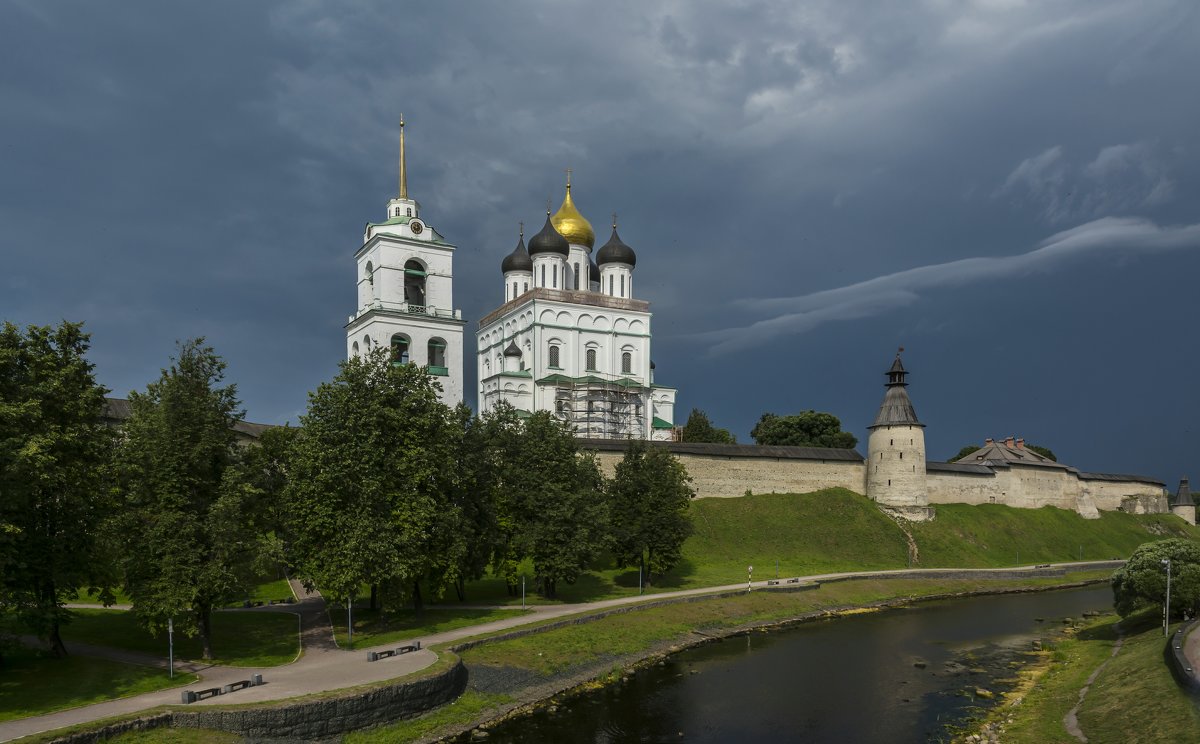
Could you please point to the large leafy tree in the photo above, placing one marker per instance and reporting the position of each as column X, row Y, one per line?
column 1142, row 581
column 804, row 429
column 649, row 496
column 550, row 508
column 699, row 429
column 54, row 456
column 370, row 478
column 188, row 526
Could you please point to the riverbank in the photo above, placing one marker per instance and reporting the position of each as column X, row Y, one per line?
column 1124, row 694
column 513, row 677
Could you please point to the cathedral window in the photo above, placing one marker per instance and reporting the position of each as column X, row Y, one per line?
column 414, row 282
column 399, row 349
column 526, row 286
column 514, row 290
column 409, row 210
column 370, row 274
column 397, row 214
column 610, row 285
column 554, row 356
column 626, row 363
column 622, row 285
column 554, row 276
column 576, row 275
column 543, row 275
column 591, row 360
column 437, row 357
column 355, row 348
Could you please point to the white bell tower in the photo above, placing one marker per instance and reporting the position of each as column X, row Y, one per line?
column 405, row 272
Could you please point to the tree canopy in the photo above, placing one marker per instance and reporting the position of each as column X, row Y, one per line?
column 1142, row 581
column 804, row 429
column 699, row 429
column 55, row 453
column 187, row 526
column 368, row 497
column 649, row 496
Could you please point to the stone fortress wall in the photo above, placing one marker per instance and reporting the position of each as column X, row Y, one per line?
column 896, row 475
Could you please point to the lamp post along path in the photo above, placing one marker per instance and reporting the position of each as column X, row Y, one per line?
column 1167, row 603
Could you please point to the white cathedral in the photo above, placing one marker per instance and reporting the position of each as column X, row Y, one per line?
column 569, row 338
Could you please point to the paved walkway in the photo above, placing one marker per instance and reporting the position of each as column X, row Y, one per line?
column 1191, row 646
column 323, row 666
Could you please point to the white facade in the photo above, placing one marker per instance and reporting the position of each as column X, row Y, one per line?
column 581, row 354
column 404, row 273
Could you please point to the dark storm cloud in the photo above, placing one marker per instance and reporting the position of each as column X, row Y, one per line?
column 170, row 171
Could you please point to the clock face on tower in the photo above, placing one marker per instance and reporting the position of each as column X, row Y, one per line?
column 416, row 226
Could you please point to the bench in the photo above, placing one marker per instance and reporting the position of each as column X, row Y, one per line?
column 793, row 581
column 389, row 652
column 241, row 684
column 772, row 582
column 191, row 696
column 285, row 600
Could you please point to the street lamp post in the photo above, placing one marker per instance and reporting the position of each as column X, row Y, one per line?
column 1167, row 607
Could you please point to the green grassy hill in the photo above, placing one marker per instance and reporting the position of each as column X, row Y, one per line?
column 838, row 530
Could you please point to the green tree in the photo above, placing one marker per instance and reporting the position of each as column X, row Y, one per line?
column 474, row 493
column 699, row 429
column 55, row 453
column 550, row 509
column 649, row 496
column 1043, row 451
column 1142, row 581
column 964, row 452
column 370, row 476
column 804, row 429
column 187, row 527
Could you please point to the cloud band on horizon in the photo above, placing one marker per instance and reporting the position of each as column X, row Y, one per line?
column 803, row 313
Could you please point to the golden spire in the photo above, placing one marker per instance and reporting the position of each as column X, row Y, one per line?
column 570, row 223
column 403, row 169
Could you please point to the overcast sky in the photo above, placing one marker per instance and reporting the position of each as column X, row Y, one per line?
column 1010, row 190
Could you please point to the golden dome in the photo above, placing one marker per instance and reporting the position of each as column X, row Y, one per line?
column 571, row 224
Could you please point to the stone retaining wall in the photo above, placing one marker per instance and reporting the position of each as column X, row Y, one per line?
column 325, row 718
column 1178, row 663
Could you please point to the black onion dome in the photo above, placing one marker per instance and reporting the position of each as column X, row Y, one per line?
column 518, row 260
column 548, row 241
column 593, row 271
column 614, row 251
column 512, row 350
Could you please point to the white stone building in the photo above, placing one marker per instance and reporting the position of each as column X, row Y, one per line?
column 405, row 274
column 571, row 338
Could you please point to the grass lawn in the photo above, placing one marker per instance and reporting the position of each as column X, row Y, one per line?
column 33, row 682
column 838, row 530
column 462, row 710
column 370, row 629
column 83, row 597
column 239, row 638
column 1135, row 699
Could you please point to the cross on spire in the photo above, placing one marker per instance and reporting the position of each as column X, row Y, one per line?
column 403, row 169
column 614, row 220
column 521, row 227
column 568, row 179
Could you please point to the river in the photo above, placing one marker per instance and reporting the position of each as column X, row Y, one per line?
column 902, row 675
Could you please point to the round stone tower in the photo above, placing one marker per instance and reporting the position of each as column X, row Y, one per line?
column 1182, row 505
column 896, row 452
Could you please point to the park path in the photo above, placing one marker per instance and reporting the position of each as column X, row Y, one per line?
column 323, row 666
column 1191, row 647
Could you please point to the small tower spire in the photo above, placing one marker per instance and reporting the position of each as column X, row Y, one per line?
column 568, row 180
column 403, row 168
column 521, row 229
column 614, row 220
column 897, row 372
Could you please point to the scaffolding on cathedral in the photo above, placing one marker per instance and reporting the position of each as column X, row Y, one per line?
column 601, row 408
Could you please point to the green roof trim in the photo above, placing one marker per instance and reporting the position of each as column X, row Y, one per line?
column 656, row 386
column 660, row 424
column 392, row 221
column 624, row 382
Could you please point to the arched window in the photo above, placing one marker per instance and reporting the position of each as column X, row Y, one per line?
column 554, row 356
column 526, row 289
column 554, row 275
column 622, row 285
column 543, row 275
column 514, row 290
column 370, row 274
column 409, row 210
column 576, row 275
column 437, row 357
column 591, row 360
column 399, row 349
column 626, row 363
column 414, row 282
column 355, row 348
column 367, row 343
column 610, row 284
column 397, row 214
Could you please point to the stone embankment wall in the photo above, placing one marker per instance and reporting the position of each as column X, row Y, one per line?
column 315, row 720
